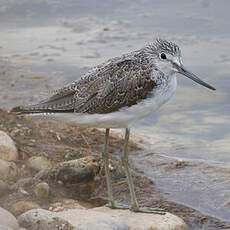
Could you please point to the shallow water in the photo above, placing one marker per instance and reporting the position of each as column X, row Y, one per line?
column 61, row 40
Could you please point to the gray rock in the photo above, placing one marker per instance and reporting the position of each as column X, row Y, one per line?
column 41, row 190
column 39, row 163
column 88, row 219
column 8, row 170
column 5, row 228
column 8, row 220
column 23, row 206
column 111, row 219
column 37, row 219
column 8, row 150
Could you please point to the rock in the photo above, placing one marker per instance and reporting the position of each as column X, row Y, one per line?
column 110, row 219
column 42, row 219
column 5, row 228
column 22, row 206
column 89, row 219
column 8, row 150
column 8, row 170
column 38, row 163
column 41, row 190
column 76, row 171
column 8, row 220
column 4, row 188
column 65, row 204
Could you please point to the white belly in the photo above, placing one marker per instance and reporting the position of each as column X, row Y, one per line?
column 123, row 118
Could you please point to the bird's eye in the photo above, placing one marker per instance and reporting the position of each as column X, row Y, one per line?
column 163, row 56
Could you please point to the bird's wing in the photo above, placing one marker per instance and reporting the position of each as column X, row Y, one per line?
column 106, row 88
column 123, row 83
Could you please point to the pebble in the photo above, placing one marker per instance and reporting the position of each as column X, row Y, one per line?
column 43, row 219
column 39, row 163
column 58, row 209
column 4, row 188
column 76, row 171
column 8, row 170
column 23, row 206
column 8, row 150
column 41, row 190
column 7, row 220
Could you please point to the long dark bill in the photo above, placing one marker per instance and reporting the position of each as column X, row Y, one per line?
column 192, row 76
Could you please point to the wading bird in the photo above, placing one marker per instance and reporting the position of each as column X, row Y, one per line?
column 117, row 94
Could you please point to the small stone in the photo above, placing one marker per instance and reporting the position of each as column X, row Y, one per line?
column 42, row 190
column 4, row 188
column 43, row 219
column 65, row 204
column 57, row 204
column 76, row 171
column 58, row 209
column 23, row 206
column 7, row 220
column 8, row 150
column 38, row 163
column 8, row 170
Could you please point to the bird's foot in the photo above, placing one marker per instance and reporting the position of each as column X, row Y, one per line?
column 114, row 205
column 159, row 211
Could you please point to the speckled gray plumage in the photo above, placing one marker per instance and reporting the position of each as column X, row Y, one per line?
column 119, row 82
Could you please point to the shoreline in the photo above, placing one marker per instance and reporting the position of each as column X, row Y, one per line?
column 60, row 142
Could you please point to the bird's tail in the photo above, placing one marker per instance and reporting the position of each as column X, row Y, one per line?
column 24, row 110
column 37, row 109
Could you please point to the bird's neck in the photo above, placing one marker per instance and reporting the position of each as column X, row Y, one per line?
column 168, row 85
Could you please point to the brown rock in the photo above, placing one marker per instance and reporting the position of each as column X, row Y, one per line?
column 41, row 190
column 4, row 188
column 23, row 206
column 8, row 150
column 8, row 170
column 76, row 171
column 39, row 163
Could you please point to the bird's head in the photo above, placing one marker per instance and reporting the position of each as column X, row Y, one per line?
column 168, row 60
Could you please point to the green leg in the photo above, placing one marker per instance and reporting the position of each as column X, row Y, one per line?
column 105, row 158
column 134, row 204
column 125, row 162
